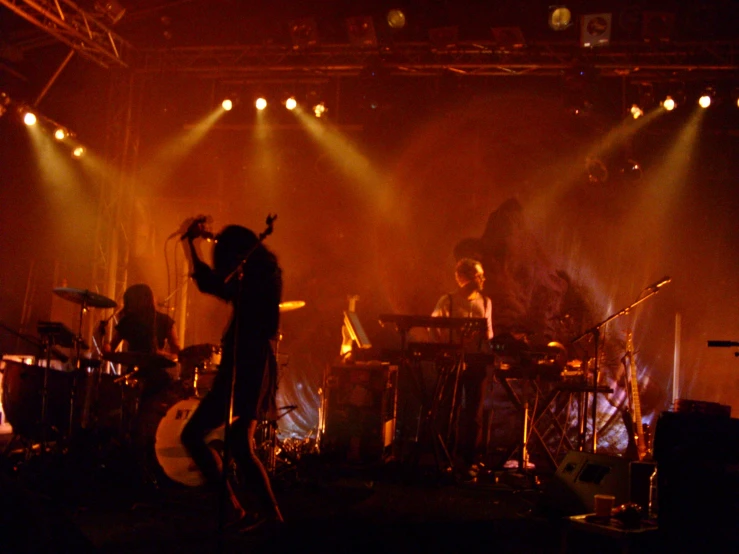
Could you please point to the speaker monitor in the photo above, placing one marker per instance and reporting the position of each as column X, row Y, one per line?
column 698, row 484
column 582, row 475
column 360, row 411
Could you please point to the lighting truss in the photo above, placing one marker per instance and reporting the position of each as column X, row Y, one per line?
column 75, row 27
column 422, row 59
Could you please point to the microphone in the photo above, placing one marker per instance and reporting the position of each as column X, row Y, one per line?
column 194, row 227
column 661, row 283
column 203, row 233
column 723, row 343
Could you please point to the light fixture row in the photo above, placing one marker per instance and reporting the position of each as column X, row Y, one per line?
column 669, row 102
column 31, row 118
column 60, row 133
column 319, row 109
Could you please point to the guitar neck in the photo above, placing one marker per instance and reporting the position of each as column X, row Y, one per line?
column 635, row 403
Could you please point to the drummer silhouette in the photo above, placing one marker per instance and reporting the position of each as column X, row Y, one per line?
column 144, row 330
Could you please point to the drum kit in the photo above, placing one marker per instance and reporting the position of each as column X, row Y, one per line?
column 50, row 407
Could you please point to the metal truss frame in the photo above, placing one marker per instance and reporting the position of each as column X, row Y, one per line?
column 117, row 195
column 90, row 38
column 638, row 59
column 76, row 28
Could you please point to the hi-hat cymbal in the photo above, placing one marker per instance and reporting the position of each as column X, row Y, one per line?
column 85, row 297
column 291, row 305
column 139, row 359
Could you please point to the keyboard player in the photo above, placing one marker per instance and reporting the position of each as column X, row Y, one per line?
column 468, row 300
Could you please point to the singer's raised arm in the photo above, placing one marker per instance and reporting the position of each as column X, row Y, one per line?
column 205, row 278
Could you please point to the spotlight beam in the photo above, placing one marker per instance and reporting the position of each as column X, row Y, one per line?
column 164, row 162
column 663, row 187
column 349, row 160
column 570, row 167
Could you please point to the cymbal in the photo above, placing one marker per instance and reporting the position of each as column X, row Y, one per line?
column 197, row 352
column 291, row 305
column 139, row 359
column 86, row 297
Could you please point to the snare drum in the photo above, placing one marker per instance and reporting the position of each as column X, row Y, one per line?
column 198, row 367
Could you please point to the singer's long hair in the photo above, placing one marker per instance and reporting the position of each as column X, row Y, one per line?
column 234, row 243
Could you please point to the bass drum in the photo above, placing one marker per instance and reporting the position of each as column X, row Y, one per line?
column 163, row 421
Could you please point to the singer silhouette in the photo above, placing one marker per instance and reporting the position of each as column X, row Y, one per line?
column 247, row 351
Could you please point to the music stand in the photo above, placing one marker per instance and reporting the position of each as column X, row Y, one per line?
column 356, row 330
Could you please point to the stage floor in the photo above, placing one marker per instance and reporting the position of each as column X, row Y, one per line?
column 346, row 515
column 84, row 502
column 70, row 502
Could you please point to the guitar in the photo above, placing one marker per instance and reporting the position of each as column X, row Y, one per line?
column 638, row 432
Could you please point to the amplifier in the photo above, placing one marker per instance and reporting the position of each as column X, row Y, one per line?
column 359, row 412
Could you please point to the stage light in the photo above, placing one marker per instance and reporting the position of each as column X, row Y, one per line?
column 595, row 30
column 706, row 98
column 636, row 111
column 4, row 103
column 319, row 109
column 29, row 118
column 111, row 9
column 396, row 19
column 361, row 31
column 78, row 152
column 658, row 26
column 597, row 171
column 508, row 38
column 669, row 103
column 560, row 18
column 227, row 105
column 631, row 170
column 735, row 96
column 291, row 103
column 304, row 32
column 444, row 37
column 60, row 134
column 261, row 103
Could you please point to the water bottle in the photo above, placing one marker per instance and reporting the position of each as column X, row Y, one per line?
column 653, row 497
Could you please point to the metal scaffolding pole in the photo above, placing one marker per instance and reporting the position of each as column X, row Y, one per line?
column 111, row 248
column 75, row 27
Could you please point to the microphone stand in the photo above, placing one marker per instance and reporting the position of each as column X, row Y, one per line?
column 595, row 332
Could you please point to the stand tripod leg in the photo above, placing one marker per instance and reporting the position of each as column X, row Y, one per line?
column 268, row 446
column 582, row 421
column 437, row 440
column 72, row 395
column 523, row 458
column 453, row 429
